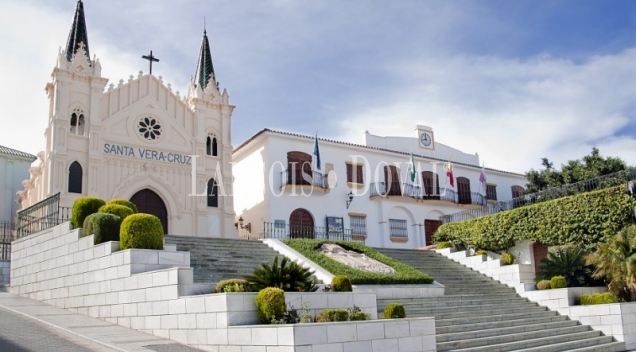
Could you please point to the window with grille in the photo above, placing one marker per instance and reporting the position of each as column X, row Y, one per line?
column 354, row 173
column 398, row 228
column 491, row 192
column 358, row 224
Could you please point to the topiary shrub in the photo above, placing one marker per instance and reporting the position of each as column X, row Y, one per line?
column 443, row 245
column 83, row 207
column 341, row 283
column 481, row 252
column 124, row 202
column 120, row 210
column 356, row 314
column 507, row 258
column 103, row 226
column 544, row 285
column 394, row 311
column 141, row 231
column 87, row 228
column 598, row 298
column 270, row 304
column 330, row 315
column 233, row 285
column 288, row 276
column 558, row 282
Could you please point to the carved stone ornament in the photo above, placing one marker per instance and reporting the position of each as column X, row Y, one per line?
column 354, row 259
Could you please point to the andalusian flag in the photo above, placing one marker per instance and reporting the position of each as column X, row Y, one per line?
column 412, row 168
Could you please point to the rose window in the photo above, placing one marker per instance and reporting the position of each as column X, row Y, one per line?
column 149, row 128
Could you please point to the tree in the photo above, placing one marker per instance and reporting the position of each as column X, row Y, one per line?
column 590, row 166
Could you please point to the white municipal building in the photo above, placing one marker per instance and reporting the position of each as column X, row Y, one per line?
column 135, row 139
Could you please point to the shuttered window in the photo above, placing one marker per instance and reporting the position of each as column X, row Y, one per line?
column 491, row 192
column 354, row 174
column 75, row 178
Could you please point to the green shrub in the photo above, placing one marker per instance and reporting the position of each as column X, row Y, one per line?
column 356, row 314
column 329, row 315
column 394, row 311
column 544, row 285
column 598, row 298
column 83, row 207
column 122, row 211
column 141, row 231
column 288, row 276
column 507, row 258
column 569, row 262
column 404, row 273
column 223, row 284
column 584, row 220
column 558, row 282
column 124, row 202
column 341, row 283
column 481, row 252
column 442, row 245
column 270, row 304
column 87, row 227
column 103, row 226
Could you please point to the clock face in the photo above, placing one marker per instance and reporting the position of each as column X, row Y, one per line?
column 426, row 139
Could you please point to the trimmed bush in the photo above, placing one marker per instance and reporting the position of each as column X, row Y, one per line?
column 122, row 211
column 481, row 252
column 598, row 298
column 83, row 207
column 394, row 311
column 224, row 284
column 124, row 202
column 507, row 258
column 87, row 228
column 404, row 273
column 288, row 276
column 585, row 220
column 141, row 231
column 356, row 314
column 329, row 315
column 544, row 285
column 558, row 282
column 103, row 226
column 270, row 304
column 341, row 283
column 443, row 245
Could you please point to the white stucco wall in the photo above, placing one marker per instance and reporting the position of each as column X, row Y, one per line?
column 13, row 170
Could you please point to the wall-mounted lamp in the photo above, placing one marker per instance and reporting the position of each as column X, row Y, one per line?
column 349, row 199
column 248, row 227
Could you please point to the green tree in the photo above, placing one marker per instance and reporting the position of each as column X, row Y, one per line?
column 590, row 166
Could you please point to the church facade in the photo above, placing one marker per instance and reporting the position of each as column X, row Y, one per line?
column 137, row 139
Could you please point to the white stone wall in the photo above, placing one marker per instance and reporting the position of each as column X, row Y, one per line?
column 5, row 267
column 618, row 320
column 562, row 297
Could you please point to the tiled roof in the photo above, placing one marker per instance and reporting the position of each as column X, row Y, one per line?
column 366, row 147
column 9, row 151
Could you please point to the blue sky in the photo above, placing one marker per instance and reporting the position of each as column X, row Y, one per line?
column 511, row 80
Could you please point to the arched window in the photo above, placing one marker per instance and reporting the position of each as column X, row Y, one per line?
column 208, row 146
column 299, row 163
column 214, row 147
column 75, row 178
column 213, row 195
column 77, row 122
column 74, row 123
column 517, row 191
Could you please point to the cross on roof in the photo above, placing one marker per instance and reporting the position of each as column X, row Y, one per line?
column 151, row 59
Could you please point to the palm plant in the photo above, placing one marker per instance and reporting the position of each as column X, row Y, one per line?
column 615, row 261
column 568, row 262
column 288, row 276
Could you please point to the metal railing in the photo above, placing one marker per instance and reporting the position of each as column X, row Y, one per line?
column 7, row 235
column 413, row 191
column 280, row 231
column 41, row 216
column 299, row 178
column 597, row 183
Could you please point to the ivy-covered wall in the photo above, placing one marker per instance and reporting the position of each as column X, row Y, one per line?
column 583, row 219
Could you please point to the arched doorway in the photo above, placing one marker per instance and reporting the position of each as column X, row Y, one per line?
column 149, row 202
column 301, row 224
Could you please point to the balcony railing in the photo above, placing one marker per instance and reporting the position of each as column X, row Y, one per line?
column 41, row 216
column 7, row 235
column 286, row 231
column 597, row 183
column 413, row 191
column 299, row 178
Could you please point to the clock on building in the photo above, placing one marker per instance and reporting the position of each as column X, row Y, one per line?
column 426, row 139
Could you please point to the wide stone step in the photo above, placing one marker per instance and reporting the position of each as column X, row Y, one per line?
column 433, row 300
column 498, row 331
column 449, row 329
column 477, row 315
column 522, row 340
column 458, row 303
column 573, row 341
column 597, row 344
column 505, row 316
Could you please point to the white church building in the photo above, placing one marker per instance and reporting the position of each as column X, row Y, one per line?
column 137, row 139
column 361, row 192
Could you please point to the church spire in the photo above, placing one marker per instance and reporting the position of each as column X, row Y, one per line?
column 205, row 70
column 78, row 33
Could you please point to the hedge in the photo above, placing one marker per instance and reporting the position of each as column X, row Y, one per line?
column 598, row 298
column 583, row 219
column 404, row 273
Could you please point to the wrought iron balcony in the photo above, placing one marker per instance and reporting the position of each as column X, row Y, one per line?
column 298, row 178
column 286, row 231
column 413, row 191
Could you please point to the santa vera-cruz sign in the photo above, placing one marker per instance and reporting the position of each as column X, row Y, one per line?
column 149, row 154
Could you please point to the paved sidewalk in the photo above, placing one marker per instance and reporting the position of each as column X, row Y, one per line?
column 31, row 326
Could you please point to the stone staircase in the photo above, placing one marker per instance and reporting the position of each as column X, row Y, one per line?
column 216, row 259
column 481, row 314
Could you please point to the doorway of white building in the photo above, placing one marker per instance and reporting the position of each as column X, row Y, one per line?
column 149, row 202
column 301, row 224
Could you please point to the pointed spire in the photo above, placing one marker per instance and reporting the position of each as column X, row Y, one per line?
column 205, row 70
column 78, row 37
